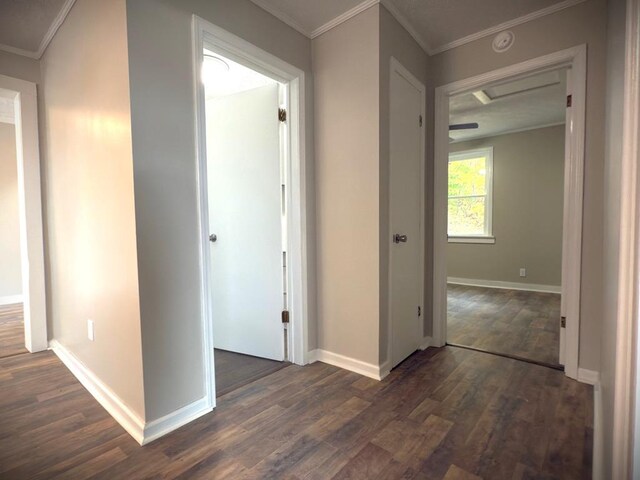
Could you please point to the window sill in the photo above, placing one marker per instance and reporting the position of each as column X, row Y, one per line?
column 478, row 239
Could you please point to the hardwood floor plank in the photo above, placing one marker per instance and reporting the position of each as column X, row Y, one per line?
column 512, row 322
column 443, row 413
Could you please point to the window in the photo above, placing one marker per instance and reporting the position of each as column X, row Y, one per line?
column 470, row 192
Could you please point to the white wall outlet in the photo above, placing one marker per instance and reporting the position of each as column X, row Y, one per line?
column 91, row 330
column 523, row 272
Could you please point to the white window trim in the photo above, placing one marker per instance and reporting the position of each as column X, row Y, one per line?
column 487, row 237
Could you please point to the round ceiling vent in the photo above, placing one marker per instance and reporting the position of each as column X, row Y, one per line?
column 503, row 41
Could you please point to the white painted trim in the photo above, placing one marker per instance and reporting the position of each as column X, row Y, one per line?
column 426, row 343
column 576, row 58
column 556, row 7
column 406, row 24
column 112, row 403
column 625, row 386
column 527, row 287
column 280, row 15
column 344, row 17
column 46, row 40
column 25, row 101
column 478, row 239
column 377, row 372
column 396, row 67
column 590, row 377
column 241, row 51
column 509, row 132
column 597, row 469
column 11, row 299
column 176, row 419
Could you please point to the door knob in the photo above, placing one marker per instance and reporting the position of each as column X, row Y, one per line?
column 397, row 238
column 213, row 237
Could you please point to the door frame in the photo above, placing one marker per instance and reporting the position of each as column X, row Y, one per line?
column 396, row 67
column 34, row 302
column 625, row 462
column 206, row 34
column 576, row 59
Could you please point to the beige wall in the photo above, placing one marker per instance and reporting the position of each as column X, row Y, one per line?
column 165, row 172
column 612, row 186
column 584, row 23
column 17, row 66
column 396, row 42
column 10, row 264
column 528, row 176
column 346, row 66
column 88, row 178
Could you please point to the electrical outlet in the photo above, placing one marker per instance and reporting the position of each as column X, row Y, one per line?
column 91, row 330
column 523, row 272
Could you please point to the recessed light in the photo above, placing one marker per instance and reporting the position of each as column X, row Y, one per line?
column 503, row 41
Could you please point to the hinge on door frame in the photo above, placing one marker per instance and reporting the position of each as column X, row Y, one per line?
column 285, row 316
column 569, row 100
column 419, row 311
column 563, row 322
column 420, row 120
column 282, row 115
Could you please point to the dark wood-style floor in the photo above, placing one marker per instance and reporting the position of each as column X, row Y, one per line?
column 11, row 330
column 234, row 370
column 512, row 322
column 443, row 413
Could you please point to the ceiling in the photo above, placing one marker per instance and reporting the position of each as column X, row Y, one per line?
column 532, row 102
column 222, row 77
column 437, row 25
column 27, row 26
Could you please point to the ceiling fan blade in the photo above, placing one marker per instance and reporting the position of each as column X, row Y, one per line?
column 463, row 126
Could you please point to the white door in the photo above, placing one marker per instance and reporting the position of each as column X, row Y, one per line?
column 406, row 157
column 245, row 215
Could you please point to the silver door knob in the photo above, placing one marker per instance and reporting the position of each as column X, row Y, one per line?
column 397, row 238
column 213, row 237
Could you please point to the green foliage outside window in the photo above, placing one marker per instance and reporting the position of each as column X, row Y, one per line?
column 467, row 196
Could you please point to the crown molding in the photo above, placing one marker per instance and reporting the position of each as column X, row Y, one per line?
column 406, row 24
column 280, row 15
column 46, row 40
column 505, row 25
column 344, row 17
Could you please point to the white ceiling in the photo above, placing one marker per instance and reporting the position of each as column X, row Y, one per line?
column 435, row 24
column 222, row 77
column 534, row 102
column 27, row 26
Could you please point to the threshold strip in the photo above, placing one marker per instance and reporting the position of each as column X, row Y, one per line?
column 506, row 355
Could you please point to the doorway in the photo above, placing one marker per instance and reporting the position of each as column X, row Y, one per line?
column 247, row 219
column 540, row 300
column 250, row 110
column 505, row 204
column 406, row 213
column 23, row 326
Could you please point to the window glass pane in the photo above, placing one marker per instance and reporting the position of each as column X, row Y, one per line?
column 466, row 216
column 468, row 177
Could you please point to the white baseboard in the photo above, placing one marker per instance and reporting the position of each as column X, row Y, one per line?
column 142, row 432
column 528, row 287
column 598, row 435
column 377, row 372
column 130, row 421
column 176, row 419
column 426, row 343
column 590, row 377
column 10, row 299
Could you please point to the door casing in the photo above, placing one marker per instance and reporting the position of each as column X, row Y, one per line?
column 576, row 59
column 218, row 40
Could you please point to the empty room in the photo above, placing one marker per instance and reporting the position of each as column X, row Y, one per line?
column 505, row 217
column 372, row 239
